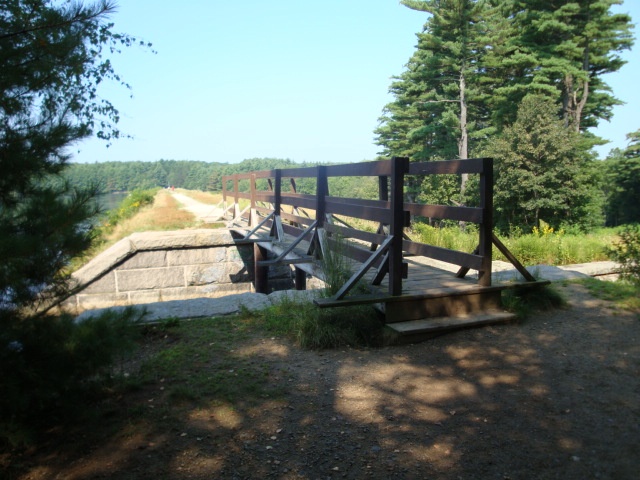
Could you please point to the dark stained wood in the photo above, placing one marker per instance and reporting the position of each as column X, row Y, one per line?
column 399, row 167
column 444, row 254
column 364, row 169
column 459, row 214
column 514, row 261
column 260, row 273
column 300, row 279
column 397, row 271
column 354, row 233
column 486, row 227
column 358, row 211
column 447, row 167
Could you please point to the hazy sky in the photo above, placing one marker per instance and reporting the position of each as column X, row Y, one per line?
column 281, row 78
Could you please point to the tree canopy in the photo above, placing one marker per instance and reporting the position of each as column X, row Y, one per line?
column 475, row 63
column 53, row 56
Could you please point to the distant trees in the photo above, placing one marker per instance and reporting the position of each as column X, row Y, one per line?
column 189, row 174
column 477, row 60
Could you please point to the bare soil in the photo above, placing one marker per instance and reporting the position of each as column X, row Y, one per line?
column 556, row 396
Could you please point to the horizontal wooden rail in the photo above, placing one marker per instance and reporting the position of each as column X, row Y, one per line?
column 274, row 198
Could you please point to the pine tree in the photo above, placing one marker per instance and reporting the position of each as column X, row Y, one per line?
column 623, row 183
column 564, row 48
column 440, row 102
column 52, row 56
column 541, row 172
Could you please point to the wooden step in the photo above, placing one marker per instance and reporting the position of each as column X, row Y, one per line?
column 414, row 331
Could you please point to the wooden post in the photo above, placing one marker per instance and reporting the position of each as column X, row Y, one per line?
column 383, row 194
column 322, row 189
column 236, row 200
column 260, row 273
column 399, row 167
column 486, row 227
column 252, row 211
column 278, row 192
column 300, row 279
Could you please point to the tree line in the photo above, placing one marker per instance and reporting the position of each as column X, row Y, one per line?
column 189, row 174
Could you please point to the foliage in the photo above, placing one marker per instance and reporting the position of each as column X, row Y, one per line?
column 627, row 252
column 49, row 365
column 136, row 200
column 439, row 99
column 317, row 328
column 565, row 50
column 540, row 172
column 474, row 64
column 543, row 245
column 53, row 56
column 527, row 300
column 622, row 171
column 622, row 293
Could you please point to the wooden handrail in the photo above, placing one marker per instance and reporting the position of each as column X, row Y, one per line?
column 390, row 211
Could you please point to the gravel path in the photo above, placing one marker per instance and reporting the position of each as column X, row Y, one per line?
column 202, row 211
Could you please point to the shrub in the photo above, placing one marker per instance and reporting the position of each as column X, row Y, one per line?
column 48, row 365
column 316, row 328
column 136, row 200
column 627, row 252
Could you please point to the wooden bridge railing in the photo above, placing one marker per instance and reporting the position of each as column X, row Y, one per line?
column 391, row 212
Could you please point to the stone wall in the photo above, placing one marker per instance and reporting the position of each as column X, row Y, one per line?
column 161, row 266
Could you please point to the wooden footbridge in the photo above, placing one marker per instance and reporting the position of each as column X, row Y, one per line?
column 403, row 277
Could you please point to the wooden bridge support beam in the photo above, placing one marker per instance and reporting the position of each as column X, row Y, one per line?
column 260, row 273
column 300, row 279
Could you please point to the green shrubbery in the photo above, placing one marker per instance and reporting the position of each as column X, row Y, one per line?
column 317, row 328
column 48, row 366
column 627, row 252
column 128, row 208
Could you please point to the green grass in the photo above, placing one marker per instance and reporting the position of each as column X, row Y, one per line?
column 526, row 301
column 624, row 295
column 315, row 328
column 541, row 247
column 197, row 363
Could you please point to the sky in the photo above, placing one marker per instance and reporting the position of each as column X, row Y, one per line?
column 290, row 79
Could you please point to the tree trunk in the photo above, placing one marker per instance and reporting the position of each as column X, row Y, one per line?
column 463, row 143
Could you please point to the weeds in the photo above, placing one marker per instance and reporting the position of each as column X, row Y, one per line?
column 525, row 301
column 315, row 328
column 542, row 246
column 622, row 293
column 626, row 251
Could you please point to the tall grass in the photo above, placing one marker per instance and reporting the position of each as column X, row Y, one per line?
column 541, row 246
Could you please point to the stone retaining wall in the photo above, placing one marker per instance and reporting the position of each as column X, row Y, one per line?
column 161, row 266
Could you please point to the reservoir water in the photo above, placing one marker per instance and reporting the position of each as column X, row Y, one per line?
column 109, row 201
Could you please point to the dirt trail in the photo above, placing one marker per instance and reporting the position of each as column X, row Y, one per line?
column 202, row 211
column 552, row 397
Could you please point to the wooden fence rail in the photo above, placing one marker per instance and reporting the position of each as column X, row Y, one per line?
column 264, row 207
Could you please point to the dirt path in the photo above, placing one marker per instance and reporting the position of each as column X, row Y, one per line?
column 202, row 211
column 553, row 397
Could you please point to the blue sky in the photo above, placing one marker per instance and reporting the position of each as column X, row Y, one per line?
column 285, row 78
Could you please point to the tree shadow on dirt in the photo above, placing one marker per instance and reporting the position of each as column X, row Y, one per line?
column 551, row 397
